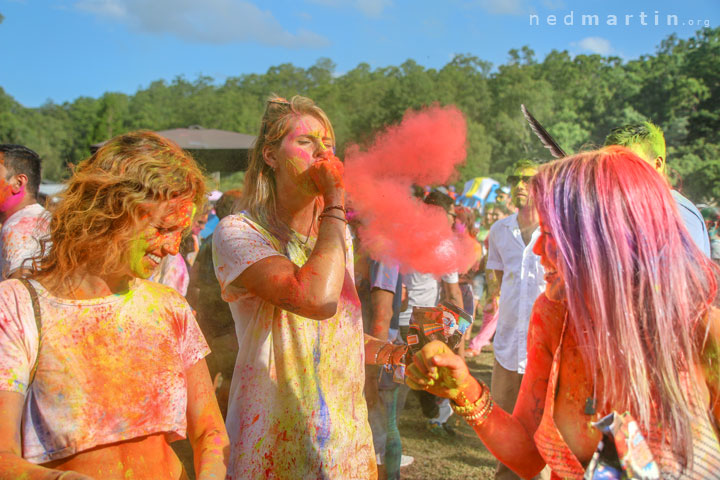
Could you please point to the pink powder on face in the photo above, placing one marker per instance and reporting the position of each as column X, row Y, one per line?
column 425, row 148
column 8, row 199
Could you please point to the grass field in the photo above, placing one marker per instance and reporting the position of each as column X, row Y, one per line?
column 457, row 457
column 462, row 456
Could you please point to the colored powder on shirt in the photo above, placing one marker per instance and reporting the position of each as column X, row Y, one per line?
column 423, row 149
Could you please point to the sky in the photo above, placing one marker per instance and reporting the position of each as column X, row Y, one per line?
column 54, row 50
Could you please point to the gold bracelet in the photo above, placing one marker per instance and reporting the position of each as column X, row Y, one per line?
column 477, row 412
column 469, row 407
column 479, row 418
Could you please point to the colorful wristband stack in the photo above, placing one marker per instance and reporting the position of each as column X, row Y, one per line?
column 475, row 413
column 390, row 354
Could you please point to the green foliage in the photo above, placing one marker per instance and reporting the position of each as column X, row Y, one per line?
column 578, row 99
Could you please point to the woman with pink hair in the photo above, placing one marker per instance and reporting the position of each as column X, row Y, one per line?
column 626, row 324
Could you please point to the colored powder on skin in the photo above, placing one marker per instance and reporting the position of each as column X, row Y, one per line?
column 425, row 148
column 8, row 199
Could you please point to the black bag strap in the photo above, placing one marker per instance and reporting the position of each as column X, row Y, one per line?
column 38, row 324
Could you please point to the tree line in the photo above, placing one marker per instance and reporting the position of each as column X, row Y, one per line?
column 578, row 99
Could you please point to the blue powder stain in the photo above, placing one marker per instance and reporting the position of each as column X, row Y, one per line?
column 323, row 414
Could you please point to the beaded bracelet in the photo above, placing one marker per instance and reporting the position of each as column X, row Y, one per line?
column 323, row 215
column 331, row 207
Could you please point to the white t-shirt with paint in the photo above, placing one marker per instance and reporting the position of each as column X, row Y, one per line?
column 20, row 237
column 296, row 407
column 110, row 369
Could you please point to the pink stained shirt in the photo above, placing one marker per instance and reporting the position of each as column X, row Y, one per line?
column 110, row 368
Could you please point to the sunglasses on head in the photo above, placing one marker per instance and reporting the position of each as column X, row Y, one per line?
column 515, row 179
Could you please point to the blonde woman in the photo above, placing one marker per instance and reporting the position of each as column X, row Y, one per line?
column 285, row 266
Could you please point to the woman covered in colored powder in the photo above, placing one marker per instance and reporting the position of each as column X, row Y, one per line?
column 285, row 266
column 625, row 325
column 116, row 370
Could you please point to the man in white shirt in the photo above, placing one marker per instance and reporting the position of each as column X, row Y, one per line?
column 514, row 273
column 24, row 221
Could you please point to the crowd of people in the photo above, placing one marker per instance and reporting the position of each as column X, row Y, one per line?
column 279, row 348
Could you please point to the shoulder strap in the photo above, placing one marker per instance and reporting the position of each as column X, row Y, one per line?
column 38, row 323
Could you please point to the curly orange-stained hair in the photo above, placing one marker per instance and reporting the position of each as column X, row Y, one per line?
column 99, row 212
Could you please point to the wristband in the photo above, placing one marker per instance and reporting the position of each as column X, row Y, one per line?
column 324, row 215
column 331, row 207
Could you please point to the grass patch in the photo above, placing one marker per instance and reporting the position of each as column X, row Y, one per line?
column 458, row 457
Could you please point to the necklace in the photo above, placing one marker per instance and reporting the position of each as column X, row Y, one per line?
column 312, row 224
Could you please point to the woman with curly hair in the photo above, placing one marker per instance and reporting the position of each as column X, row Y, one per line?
column 626, row 324
column 101, row 369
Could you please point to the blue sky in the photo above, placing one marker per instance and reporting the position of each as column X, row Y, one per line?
column 60, row 50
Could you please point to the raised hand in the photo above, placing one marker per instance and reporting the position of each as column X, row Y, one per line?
column 327, row 174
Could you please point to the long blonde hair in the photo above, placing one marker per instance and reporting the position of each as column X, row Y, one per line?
column 260, row 190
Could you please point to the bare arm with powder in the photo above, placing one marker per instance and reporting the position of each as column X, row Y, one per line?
column 508, row 436
column 452, row 293
column 206, row 429
column 12, row 465
column 710, row 358
column 312, row 290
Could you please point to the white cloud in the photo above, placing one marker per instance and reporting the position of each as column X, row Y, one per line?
column 504, row 7
column 596, row 45
column 210, row 21
column 371, row 8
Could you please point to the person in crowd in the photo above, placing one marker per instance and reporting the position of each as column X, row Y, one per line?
column 191, row 243
column 101, row 369
column 213, row 313
column 285, row 266
column 514, row 274
column 173, row 272
column 465, row 223
column 712, row 222
column 385, row 397
column 647, row 141
column 24, row 221
column 493, row 213
column 504, row 199
column 626, row 324
column 425, row 290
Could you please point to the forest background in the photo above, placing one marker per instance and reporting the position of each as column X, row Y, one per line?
column 578, row 99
